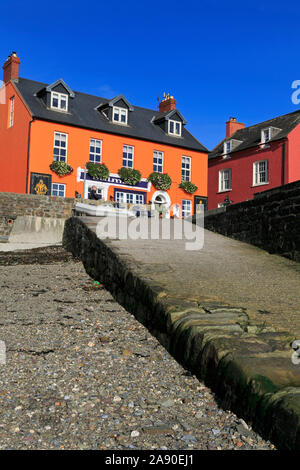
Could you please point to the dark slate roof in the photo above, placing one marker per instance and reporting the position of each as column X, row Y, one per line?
column 84, row 114
column 251, row 136
column 160, row 116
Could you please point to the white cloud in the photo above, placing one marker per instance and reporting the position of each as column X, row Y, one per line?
column 107, row 91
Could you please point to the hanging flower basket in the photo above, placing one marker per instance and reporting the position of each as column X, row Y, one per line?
column 188, row 187
column 160, row 180
column 97, row 171
column 61, row 168
column 130, row 176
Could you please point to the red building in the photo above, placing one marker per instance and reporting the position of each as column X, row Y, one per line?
column 253, row 159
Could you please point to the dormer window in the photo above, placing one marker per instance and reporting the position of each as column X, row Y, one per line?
column 59, row 101
column 265, row 135
column 174, row 128
column 120, row 115
column 227, row 148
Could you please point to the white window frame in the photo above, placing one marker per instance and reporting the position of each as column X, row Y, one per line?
column 127, row 159
column 123, row 197
column 186, row 207
column 227, row 150
column 177, row 134
column 60, row 98
column 186, row 172
column 158, row 166
column 257, row 173
column 138, row 198
column 222, row 180
column 263, row 136
column 120, row 112
column 58, row 189
column 12, row 111
column 58, row 157
column 96, row 143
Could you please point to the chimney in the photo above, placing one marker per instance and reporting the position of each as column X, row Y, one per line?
column 232, row 126
column 11, row 68
column 167, row 104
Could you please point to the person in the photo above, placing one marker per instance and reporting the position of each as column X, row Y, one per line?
column 93, row 194
column 115, row 204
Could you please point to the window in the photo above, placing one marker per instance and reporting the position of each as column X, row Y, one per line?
column 58, row 189
column 59, row 101
column 227, row 147
column 129, row 198
column 128, row 156
column 95, row 150
column 174, row 128
column 158, row 161
column 139, row 199
column 225, row 180
column 265, row 135
column 60, row 147
column 260, row 172
column 120, row 115
column 186, row 207
column 186, row 169
column 12, row 111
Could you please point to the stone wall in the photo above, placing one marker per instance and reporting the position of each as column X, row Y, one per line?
column 270, row 221
column 217, row 349
column 13, row 205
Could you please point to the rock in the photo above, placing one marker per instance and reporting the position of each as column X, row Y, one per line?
column 166, row 403
column 189, row 438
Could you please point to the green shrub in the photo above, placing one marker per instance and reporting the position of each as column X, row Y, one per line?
column 61, row 168
column 130, row 176
column 160, row 180
column 97, row 171
column 188, row 186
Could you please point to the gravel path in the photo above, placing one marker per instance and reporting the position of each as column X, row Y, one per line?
column 82, row 373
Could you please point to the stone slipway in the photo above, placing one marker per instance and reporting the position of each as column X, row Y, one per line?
column 228, row 313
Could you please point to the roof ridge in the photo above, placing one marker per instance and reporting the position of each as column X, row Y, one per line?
column 268, row 120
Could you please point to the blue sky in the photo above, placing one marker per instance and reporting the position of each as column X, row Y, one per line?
column 218, row 59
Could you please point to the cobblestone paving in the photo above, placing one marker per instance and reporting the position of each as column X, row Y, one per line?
column 82, row 373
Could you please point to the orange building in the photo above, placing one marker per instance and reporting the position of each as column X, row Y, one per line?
column 48, row 134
